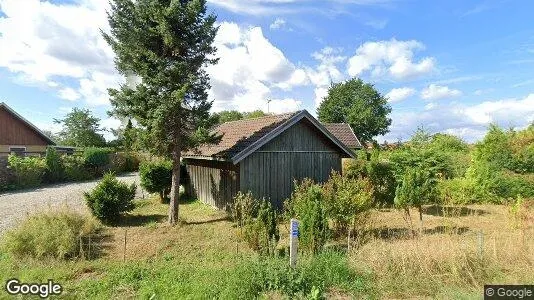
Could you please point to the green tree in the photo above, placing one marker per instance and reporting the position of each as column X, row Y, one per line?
column 360, row 105
column 228, row 116
column 80, row 129
column 254, row 114
column 417, row 188
column 167, row 45
column 156, row 177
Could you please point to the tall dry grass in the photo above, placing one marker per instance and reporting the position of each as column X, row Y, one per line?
column 454, row 254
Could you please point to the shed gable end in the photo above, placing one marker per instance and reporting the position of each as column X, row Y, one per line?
column 13, row 131
column 302, row 136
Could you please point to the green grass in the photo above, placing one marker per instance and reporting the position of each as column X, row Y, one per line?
column 199, row 259
column 202, row 258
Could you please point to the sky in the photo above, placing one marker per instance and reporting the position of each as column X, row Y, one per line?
column 449, row 66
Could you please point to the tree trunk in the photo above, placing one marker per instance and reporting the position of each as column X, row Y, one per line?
column 162, row 196
column 175, row 189
column 420, row 219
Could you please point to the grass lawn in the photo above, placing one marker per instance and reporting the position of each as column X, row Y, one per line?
column 202, row 258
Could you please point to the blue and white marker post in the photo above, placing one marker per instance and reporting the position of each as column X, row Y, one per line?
column 293, row 243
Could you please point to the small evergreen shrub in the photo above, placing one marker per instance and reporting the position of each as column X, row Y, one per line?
column 54, row 234
column 28, row 171
column 55, row 170
column 258, row 223
column 307, row 204
column 110, row 198
column 156, row 177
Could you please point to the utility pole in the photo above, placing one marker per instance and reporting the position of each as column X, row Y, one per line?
column 268, row 101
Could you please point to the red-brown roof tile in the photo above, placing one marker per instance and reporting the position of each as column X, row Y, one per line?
column 238, row 135
column 344, row 134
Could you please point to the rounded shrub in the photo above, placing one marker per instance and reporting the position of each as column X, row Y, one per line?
column 110, row 198
column 156, row 177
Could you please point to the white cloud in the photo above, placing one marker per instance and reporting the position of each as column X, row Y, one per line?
column 69, row 94
column 467, row 121
column 399, row 94
column 326, row 72
column 320, row 94
column 279, row 106
column 41, row 41
column 393, row 58
column 277, row 24
column 435, row 92
column 248, row 69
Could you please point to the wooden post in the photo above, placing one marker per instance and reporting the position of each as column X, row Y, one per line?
column 293, row 243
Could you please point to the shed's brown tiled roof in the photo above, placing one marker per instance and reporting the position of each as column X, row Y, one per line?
column 238, row 135
column 344, row 134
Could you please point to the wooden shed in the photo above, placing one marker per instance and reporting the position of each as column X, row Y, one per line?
column 264, row 156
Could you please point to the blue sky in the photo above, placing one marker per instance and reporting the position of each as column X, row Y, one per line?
column 451, row 66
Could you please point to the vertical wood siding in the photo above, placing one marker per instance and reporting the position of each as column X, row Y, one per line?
column 213, row 182
column 299, row 152
column 17, row 133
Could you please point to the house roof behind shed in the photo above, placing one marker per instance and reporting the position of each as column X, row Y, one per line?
column 238, row 135
column 344, row 133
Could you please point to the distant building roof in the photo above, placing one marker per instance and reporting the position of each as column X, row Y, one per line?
column 27, row 123
column 344, row 133
column 242, row 137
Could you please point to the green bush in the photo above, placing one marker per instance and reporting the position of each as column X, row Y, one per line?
column 457, row 191
column 75, row 169
column 417, row 188
column 55, row 170
column 244, row 208
column 28, row 171
column 97, row 160
column 125, row 162
column 110, row 198
column 347, row 200
column 49, row 234
column 156, row 177
column 383, row 182
column 258, row 223
column 307, row 204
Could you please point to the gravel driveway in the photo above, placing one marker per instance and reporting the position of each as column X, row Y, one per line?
column 17, row 205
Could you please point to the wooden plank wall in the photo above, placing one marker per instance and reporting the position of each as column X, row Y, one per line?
column 299, row 152
column 212, row 182
column 14, row 132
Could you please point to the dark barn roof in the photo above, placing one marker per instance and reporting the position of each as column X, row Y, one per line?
column 241, row 138
column 344, row 133
column 26, row 123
